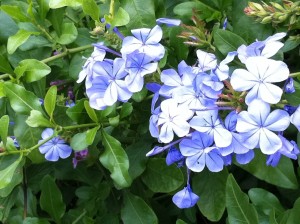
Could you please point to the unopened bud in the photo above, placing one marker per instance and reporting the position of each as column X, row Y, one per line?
column 256, row 6
column 267, row 19
column 277, row 6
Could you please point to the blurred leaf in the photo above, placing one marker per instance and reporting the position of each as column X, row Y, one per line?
column 7, row 27
column 121, row 18
column 4, row 64
column 50, row 100
column 162, row 178
column 34, row 220
column 36, row 119
column 51, row 199
column 226, row 41
column 211, row 187
column 126, row 110
column 4, row 123
column 141, row 13
column 21, row 100
column 91, row 8
column 272, row 218
column 15, row 12
column 282, row 175
column 265, row 201
column 179, row 221
column 76, row 112
column 69, row 33
column 32, row 70
column 76, row 65
column 56, row 17
column 135, row 210
column 7, row 203
column 6, row 174
column 206, row 13
column 18, row 39
column 53, row 4
column 179, row 49
column 43, row 8
column 237, row 203
column 139, row 96
column 115, row 159
column 91, row 112
column 294, row 215
column 82, row 140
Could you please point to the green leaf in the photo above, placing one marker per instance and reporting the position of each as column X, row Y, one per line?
column 36, row 119
column 238, row 206
column 34, row 220
column 179, row 221
column 15, row 12
column 294, row 215
column 4, row 64
column 7, row 27
column 7, row 203
column 162, row 178
column 43, row 8
column 272, row 218
column 54, row 4
column 211, row 187
column 282, row 175
column 121, row 18
column 32, row 70
column 126, row 110
column 21, row 100
column 50, row 100
column 115, row 159
column 265, row 201
column 141, row 13
column 51, row 199
column 135, row 210
column 139, row 96
column 82, row 140
column 91, row 8
column 18, row 39
column 76, row 112
column 6, row 174
column 56, row 17
column 179, row 49
column 69, row 34
column 91, row 112
column 294, row 99
column 4, row 123
column 226, row 41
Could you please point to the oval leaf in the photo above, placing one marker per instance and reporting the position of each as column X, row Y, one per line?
column 161, row 178
column 6, row 174
column 91, row 8
column 136, row 211
column 50, row 100
column 238, row 206
column 18, row 39
column 51, row 199
column 69, row 33
column 115, row 160
column 4, row 123
column 36, row 119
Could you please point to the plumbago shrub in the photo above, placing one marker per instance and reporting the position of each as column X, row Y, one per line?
column 137, row 111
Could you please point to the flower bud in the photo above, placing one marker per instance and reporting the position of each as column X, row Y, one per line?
column 267, row 19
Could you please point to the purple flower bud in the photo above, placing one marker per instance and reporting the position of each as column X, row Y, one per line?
column 116, row 31
column 174, row 156
column 290, row 109
column 79, row 156
column 289, row 85
column 185, row 198
column 225, row 24
column 168, row 22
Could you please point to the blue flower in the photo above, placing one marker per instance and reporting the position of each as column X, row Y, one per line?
column 258, row 78
column 266, row 48
column 55, row 148
column 185, row 198
column 168, row 22
column 209, row 122
column 206, row 61
column 79, row 156
column 245, row 158
column 173, row 118
column 138, row 65
column 295, row 118
column 199, row 153
column 289, row 85
column 256, row 126
column 174, row 156
column 144, row 40
column 108, row 85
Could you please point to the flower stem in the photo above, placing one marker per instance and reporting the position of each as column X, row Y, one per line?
column 112, row 8
column 294, row 74
column 80, row 126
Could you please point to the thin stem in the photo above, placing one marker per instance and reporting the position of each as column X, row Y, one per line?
column 79, row 217
column 80, row 126
column 112, row 8
column 294, row 74
column 25, row 193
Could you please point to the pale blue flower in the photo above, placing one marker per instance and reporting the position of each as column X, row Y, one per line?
column 245, row 158
column 258, row 78
column 173, row 118
column 185, row 198
column 222, row 69
column 206, row 61
column 168, row 22
column 266, row 48
column 289, row 85
column 199, row 153
column 256, row 126
column 55, row 148
column 144, row 40
column 295, row 118
column 209, row 122
column 174, row 156
column 138, row 65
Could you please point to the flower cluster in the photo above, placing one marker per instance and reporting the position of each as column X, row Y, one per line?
column 204, row 114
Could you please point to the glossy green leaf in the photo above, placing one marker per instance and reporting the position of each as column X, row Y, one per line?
column 91, row 8
column 18, row 39
column 50, row 100
column 272, row 218
column 265, row 201
column 69, row 33
column 212, row 188
column 56, row 17
column 142, row 13
column 8, row 27
column 139, row 96
column 91, row 112
column 238, row 206
column 4, row 123
column 43, row 8
column 126, row 110
column 136, row 210
column 4, row 64
column 21, row 100
column 294, row 215
column 76, row 113
column 53, row 4
column 121, row 18
column 34, row 220
column 282, row 175
column 36, row 119
column 226, row 41
column 159, row 177
column 115, row 159
column 51, row 199
column 32, row 70
column 7, row 173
